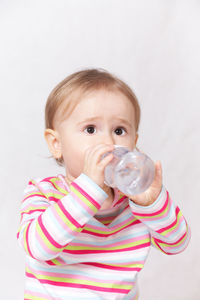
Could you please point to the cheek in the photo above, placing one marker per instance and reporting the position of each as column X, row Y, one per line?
column 74, row 159
column 130, row 144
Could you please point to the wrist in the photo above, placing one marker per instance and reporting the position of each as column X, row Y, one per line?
column 147, row 198
column 145, row 205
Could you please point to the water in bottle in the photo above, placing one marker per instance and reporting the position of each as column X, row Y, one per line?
column 132, row 172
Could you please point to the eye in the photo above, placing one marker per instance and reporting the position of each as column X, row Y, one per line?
column 119, row 130
column 90, row 129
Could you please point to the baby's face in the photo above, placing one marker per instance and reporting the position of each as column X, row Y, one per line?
column 100, row 117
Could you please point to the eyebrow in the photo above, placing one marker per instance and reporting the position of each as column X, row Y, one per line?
column 98, row 118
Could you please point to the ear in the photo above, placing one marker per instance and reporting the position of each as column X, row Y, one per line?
column 53, row 141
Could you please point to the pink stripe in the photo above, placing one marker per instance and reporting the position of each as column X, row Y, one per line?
column 163, row 242
column 113, row 227
column 48, row 179
column 123, row 223
column 96, row 204
column 30, row 183
column 181, row 220
column 38, row 295
column 120, row 200
column 26, row 206
column 79, row 277
column 27, row 238
column 59, row 184
column 171, row 253
column 172, row 224
column 141, row 262
column 48, row 236
column 58, row 259
column 51, row 263
column 70, row 218
column 118, row 268
column 82, row 203
column 87, row 251
column 155, row 213
column 158, row 218
column 54, row 199
column 43, row 245
column 134, row 239
column 32, row 211
column 30, row 196
column 61, row 222
column 78, row 285
column 48, row 190
column 109, row 233
column 168, row 253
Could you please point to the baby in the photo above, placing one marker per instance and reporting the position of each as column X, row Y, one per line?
column 82, row 238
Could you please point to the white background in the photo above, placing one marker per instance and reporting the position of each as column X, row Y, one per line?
column 154, row 46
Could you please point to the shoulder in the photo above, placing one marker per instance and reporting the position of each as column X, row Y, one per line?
column 43, row 184
column 45, row 189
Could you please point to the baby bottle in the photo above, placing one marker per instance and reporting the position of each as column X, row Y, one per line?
column 132, row 172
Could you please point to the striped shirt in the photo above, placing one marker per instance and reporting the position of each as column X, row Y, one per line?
column 76, row 251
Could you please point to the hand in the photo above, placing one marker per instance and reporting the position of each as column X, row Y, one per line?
column 152, row 193
column 94, row 165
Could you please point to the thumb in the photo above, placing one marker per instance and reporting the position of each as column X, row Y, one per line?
column 158, row 168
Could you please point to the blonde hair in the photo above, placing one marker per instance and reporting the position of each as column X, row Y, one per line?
column 66, row 95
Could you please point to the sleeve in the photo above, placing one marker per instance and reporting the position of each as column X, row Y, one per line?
column 47, row 227
column 169, row 230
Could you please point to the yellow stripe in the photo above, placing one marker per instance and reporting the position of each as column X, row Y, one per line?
column 47, row 195
column 175, row 245
column 44, row 238
column 56, row 262
column 82, row 198
column 32, row 194
column 153, row 242
column 156, row 216
column 31, row 297
column 56, row 179
column 34, row 208
column 65, row 219
column 106, row 222
column 54, row 195
column 83, row 281
column 175, row 226
column 107, row 247
column 128, row 266
column 110, row 231
column 24, row 238
column 163, row 244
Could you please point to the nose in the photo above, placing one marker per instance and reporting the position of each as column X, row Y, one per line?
column 107, row 138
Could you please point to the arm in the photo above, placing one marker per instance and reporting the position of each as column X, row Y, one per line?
column 46, row 226
column 168, row 228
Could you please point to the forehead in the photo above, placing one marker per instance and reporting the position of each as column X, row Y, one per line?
column 104, row 103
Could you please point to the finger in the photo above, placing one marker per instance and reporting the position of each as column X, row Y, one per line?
column 93, row 149
column 101, row 151
column 90, row 151
column 159, row 166
column 103, row 163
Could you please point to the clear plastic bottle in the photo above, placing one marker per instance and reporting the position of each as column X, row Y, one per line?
column 132, row 172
